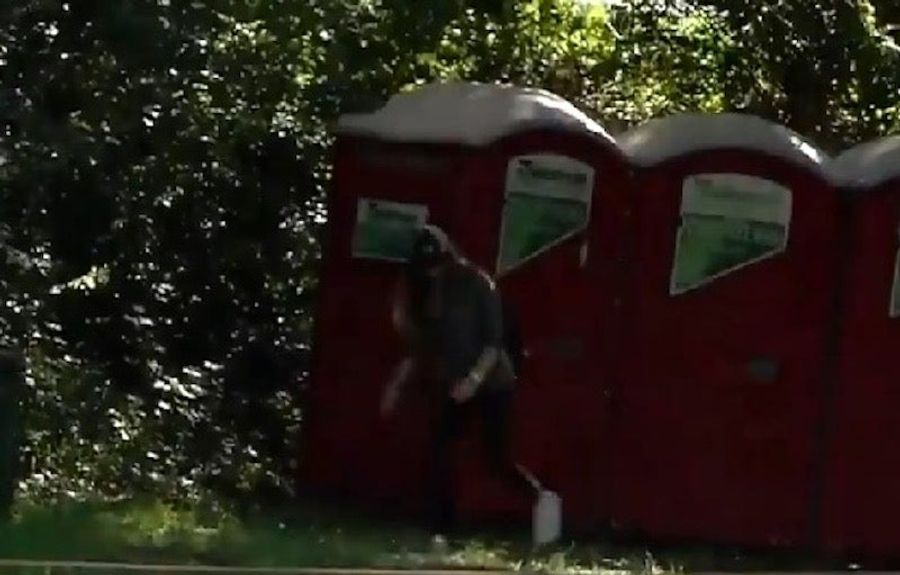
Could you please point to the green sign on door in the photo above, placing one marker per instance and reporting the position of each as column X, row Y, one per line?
column 386, row 230
column 728, row 221
column 548, row 199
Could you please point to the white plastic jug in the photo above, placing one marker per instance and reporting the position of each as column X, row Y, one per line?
column 547, row 518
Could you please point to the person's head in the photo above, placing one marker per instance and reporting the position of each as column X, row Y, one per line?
column 432, row 251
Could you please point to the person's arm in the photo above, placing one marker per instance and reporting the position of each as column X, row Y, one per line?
column 490, row 309
column 484, row 365
column 403, row 373
column 394, row 389
column 400, row 310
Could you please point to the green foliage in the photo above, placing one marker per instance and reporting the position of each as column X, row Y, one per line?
column 163, row 166
column 155, row 533
column 828, row 69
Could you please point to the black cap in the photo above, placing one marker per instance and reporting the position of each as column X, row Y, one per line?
column 431, row 247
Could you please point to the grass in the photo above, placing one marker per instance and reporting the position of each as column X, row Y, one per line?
column 159, row 533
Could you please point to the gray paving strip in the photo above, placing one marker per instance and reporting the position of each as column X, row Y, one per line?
column 138, row 568
column 69, row 566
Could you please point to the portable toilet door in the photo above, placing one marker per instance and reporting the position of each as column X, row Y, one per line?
column 555, row 197
column 718, row 401
column 451, row 154
column 862, row 501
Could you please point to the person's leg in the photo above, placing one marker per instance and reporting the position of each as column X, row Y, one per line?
column 496, row 411
column 441, row 498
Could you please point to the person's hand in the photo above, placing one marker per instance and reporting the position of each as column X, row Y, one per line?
column 391, row 395
column 464, row 390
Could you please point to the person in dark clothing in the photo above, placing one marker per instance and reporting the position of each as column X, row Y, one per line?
column 450, row 315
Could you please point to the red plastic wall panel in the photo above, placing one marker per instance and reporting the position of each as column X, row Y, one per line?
column 862, row 500
column 349, row 447
column 705, row 449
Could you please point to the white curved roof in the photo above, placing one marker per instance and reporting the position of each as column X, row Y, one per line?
column 867, row 165
column 469, row 113
column 664, row 138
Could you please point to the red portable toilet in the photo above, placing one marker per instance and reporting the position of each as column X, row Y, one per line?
column 530, row 189
column 862, row 501
column 718, row 397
